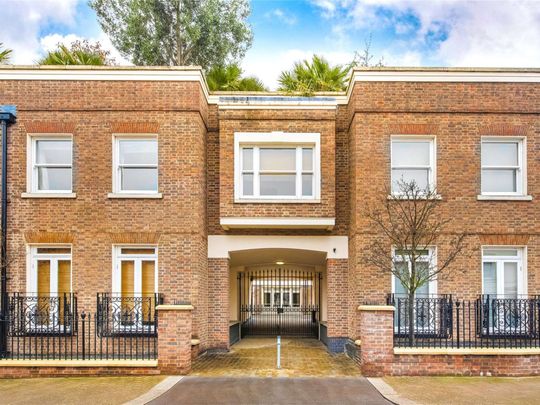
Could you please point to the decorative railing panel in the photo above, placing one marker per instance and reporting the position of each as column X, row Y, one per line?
column 117, row 314
column 487, row 322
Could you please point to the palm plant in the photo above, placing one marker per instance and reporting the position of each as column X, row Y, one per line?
column 229, row 78
column 307, row 77
column 4, row 55
column 78, row 53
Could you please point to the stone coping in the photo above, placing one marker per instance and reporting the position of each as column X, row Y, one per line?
column 376, row 308
column 171, row 307
column 195, row 342
column 78, row 363
column 467, row 351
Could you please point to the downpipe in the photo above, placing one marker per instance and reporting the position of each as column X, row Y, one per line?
column 7, row 117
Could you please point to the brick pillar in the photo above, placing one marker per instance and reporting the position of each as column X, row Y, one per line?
column 174, row 338
column 337, row 298
column 376, row 339
column 218, row 304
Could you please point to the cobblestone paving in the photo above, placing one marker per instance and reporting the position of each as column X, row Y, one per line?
column 256, row 357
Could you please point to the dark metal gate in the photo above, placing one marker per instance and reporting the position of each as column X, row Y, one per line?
column 277, row 301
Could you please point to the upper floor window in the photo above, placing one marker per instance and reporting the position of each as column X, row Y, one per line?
column 275, row 167
column 50, row 169
column 503, row 163
column 135, row 165
column 413, row 159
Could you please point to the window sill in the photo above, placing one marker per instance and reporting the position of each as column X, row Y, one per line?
column 134, row 196
column 48, row 195
column 275, row 201
column 482, row 197
column 401, row 197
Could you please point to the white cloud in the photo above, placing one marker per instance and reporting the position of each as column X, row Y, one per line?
column 23, row 19
column 467, row 33
column 283, row 16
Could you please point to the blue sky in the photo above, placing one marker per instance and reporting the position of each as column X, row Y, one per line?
column 403, row 32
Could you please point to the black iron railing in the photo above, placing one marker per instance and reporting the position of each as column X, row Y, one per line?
column 432, row 315
column 487, row 322
column 33, row 314
column 118, row 314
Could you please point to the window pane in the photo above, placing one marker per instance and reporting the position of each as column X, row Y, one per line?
column 54, row 250
column 142, row 151
column 499, row 153
column 247, row 159
column 499, row 181
column 138, row 251
column 510, row 279
column 422, row 269
column 307, row 159
column 53, row 152
column 278, row 184
column 423, row 252
column 54, row 178
column 278, row 159
column 138, row 179
column 247, row 184
column 410, row 153
column 296, row 299
column 400, row 288
column 490, row 278
column 307, row 184
column 500, row 252
column 267, row 299
column 419, row 176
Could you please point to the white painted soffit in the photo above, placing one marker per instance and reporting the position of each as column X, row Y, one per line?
column 335, row 247
column 277, row 223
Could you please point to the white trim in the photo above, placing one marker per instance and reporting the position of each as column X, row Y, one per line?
column 277, row 138
column 31, row 265
column 277, row 223
column 31, row 171
column 432, row 178
column 48, row 195
column 134, row 195
column 336, row 247
column 521, row 168
column 117, row 190
column 446, row 76
column 482, row 197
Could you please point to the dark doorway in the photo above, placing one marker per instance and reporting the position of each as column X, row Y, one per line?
column 279, row 301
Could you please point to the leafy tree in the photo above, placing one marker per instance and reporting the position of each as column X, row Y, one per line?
column 78, row 53
column 5, row 55
column 177, row 32
column 229, row 78
column 307, row 77
column 411, row 223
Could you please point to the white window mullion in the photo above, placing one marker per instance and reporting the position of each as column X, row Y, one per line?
column 137, row 275
column 256, row 172
column 299, row 162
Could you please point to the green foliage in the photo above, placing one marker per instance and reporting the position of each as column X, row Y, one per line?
column 78, row 53
column 307, row 77
column 177, row 32
column 229, row 78
column 5, row 55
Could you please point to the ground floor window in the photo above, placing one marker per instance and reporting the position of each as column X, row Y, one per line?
column 281, row 297
column 424, row 262
column 49, row 285
column 502, row 272
column 135, row 281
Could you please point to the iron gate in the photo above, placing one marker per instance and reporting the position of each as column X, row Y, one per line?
column 278, row 301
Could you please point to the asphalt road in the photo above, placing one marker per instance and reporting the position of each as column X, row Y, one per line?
column 252, row 390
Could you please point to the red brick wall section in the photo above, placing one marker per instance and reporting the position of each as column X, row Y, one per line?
column 377, row 342
column 174, row 340
column 31, row 372
column 337, row 297
column 218, row 304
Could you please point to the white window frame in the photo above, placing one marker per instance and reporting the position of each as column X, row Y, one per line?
column 277, row 140
column 116, row 175
column 432, row 167
column 138, row 258
column 521, row 168
column 520, row 259
column 32, row 179
column 432, row 258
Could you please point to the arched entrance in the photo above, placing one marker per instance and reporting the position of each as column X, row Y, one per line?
column 278, row 292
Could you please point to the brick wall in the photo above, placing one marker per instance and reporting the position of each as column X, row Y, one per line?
column 218, row 304
column 174, row 340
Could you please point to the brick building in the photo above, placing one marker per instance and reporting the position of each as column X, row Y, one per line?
column 134, row 187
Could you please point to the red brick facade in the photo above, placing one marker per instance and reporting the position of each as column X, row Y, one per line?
column 195, row 133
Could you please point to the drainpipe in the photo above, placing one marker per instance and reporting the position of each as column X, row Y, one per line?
column 7, row 117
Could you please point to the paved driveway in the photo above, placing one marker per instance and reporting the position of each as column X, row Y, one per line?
column 253, row 390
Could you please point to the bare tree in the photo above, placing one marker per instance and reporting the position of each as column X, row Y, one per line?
column 410, row 221
column 365, row 57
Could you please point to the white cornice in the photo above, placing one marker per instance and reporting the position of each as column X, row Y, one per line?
column 277, row 223
column 466, row 76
